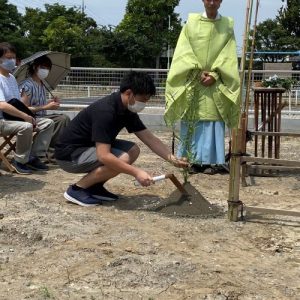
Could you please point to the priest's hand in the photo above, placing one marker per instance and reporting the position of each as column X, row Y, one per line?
column 206, row 79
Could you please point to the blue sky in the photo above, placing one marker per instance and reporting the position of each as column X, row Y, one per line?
column 111, row 12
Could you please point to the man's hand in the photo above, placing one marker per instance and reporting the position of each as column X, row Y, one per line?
column 178, row 162
column 144, row 178
column 29, row 119
column 206, row 79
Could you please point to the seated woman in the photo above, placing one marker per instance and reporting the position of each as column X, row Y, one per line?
column 33, row 94
column 28, row 151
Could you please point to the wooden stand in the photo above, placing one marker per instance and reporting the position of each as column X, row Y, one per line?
column 267, row 122
column 267, row 118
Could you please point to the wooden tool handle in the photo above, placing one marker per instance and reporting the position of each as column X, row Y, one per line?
column 177, row 183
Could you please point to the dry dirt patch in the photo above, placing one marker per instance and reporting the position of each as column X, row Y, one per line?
column 50, row 249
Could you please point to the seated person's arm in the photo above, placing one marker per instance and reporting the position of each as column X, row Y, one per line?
column 50, row 105
column 8, row 108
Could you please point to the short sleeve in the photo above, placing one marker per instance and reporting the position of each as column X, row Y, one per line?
column 2, row 96
column 26, row 87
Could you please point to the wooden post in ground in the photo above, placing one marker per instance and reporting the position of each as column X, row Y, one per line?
column 238, row 134
column 234, row 180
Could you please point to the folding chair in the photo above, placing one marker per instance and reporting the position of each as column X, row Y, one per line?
column 6, row 147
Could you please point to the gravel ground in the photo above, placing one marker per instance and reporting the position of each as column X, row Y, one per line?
column 50, row 249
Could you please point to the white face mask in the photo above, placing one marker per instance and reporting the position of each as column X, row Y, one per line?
column 8, row 64
column 42, row 73
column 136, row 107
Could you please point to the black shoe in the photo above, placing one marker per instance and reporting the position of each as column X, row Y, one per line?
column 210, row 170
column 81, row 196
column 224, row 168
column 195, row 168
column 98, row 191
column 221, row 169
column 21, row 168
column 35, row 164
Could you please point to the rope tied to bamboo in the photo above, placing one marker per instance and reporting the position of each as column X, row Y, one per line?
column 237, row 204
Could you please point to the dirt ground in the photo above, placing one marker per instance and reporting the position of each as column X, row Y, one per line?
column 50, row 249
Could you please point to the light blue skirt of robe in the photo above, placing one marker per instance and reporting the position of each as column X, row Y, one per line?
column 207, row 142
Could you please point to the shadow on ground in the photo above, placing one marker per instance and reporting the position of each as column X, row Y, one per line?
column 9, row 184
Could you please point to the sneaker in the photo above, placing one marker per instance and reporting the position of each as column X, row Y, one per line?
column 81, row 196
column 20, row 168
column 98, row 191
column 36, row 164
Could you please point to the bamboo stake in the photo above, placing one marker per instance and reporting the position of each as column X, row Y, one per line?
column 237, row 134
column 244, row 123
column 245, row 44
column 247, row 102
column 234, row 180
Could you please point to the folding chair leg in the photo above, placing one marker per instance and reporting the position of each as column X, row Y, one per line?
column 11, row 147
column 7, row 163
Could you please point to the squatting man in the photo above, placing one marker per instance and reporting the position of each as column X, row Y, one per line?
column 89, row 143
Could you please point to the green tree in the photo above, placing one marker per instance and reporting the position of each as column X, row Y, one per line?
column 108, row 47
column 279, row 34
column 35, row 22
column 289, row 18
column 96, row 50
column 270, row 36
column 145, row 32
column 59, row 28
column 10, row 26
column 61, row 35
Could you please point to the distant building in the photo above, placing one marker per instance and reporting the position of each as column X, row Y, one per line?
column 278, row 67
column 295, row 62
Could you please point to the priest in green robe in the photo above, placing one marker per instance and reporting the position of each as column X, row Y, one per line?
column 203, row 86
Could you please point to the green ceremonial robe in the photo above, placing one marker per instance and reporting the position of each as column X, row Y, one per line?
column 204, row 45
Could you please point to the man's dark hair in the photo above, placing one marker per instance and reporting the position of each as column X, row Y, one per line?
column 44, row 61
column 6, row 47
column 140, row 83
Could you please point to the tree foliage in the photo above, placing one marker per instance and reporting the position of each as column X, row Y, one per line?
column 145, row 30
column 281, row 33
column 140, row 40
column 289, row 18
column 270, row 36
column 11, row 24
column 57, row 28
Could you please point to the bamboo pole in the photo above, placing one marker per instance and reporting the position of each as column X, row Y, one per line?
column 245, row 44
column 237, row 134
column 247, row 96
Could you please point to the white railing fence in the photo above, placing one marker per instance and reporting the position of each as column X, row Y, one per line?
column 83, row 85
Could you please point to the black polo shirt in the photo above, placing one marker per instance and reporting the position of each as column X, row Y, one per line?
column 100, row 122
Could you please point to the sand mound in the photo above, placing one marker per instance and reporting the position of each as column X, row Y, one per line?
column 176, row 204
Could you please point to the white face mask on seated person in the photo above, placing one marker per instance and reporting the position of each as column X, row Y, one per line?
column 8, row 64
column 42, row 73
